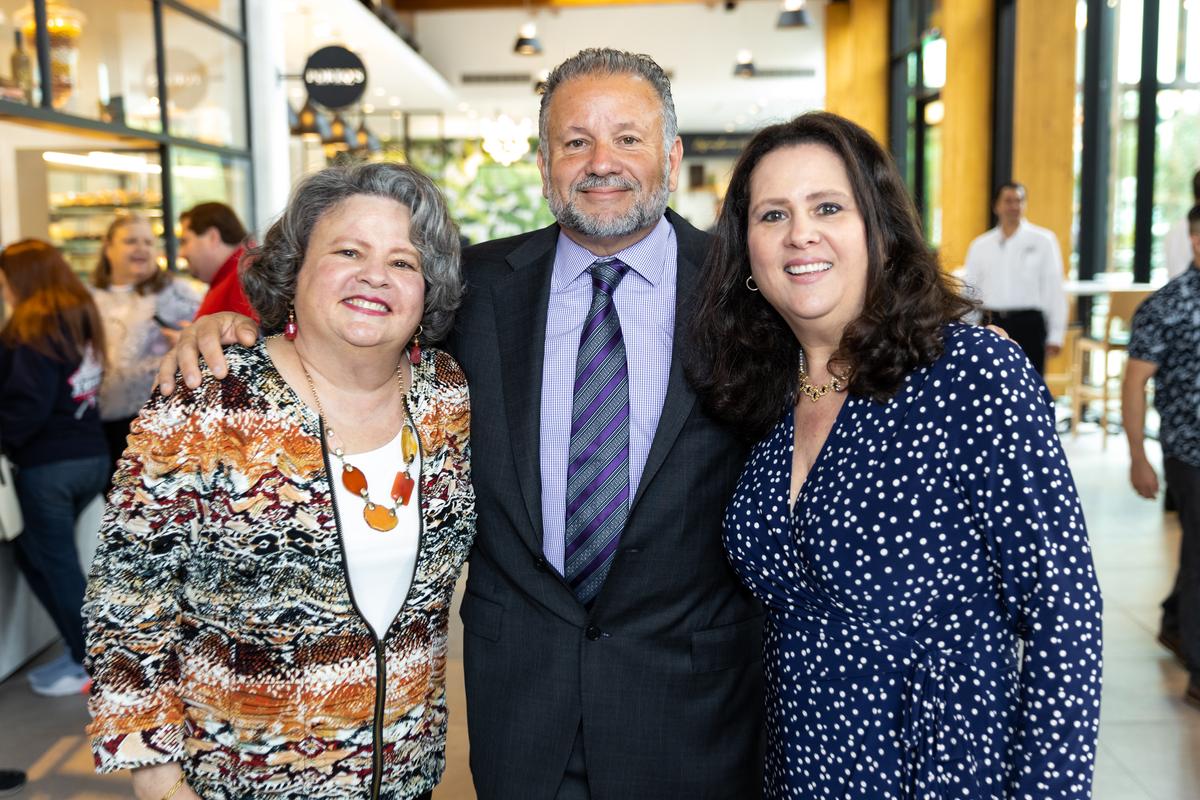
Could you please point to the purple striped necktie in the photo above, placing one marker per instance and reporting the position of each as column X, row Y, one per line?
column 598, row 470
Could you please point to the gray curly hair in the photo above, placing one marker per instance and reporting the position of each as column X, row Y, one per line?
column 269, row 271
column 606, row 61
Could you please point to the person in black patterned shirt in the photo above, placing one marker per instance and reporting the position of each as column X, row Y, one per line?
column 1165, row 345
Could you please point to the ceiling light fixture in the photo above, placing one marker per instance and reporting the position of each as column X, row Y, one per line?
column 527, row 41
column 313, row 125
column 793, row 14
column 744, row 68
column 339, row 137
column 365, row 140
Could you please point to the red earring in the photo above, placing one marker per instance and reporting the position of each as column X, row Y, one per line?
column 290, row 329
column 414, row 347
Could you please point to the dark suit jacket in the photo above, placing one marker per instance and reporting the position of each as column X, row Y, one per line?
column 665, row 672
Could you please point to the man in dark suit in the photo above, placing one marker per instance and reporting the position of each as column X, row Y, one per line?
column 648, row 686
column 610, row 652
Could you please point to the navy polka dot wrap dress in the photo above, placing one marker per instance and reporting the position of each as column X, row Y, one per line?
column 933, row 619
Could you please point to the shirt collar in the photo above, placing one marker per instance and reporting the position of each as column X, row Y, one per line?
column 647, row 257
column 230, row 265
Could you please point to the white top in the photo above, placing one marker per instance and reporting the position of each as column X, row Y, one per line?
column 1177, row 247
column 135, row 343
column 380, row 563
column 1023, row 271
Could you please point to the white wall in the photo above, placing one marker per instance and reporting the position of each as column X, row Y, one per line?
column 268, row 114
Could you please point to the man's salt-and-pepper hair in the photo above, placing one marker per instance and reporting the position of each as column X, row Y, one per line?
column 604, row 61
column 269, row 271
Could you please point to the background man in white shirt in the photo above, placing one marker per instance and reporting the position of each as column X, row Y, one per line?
column 1177, row 244
column 1016, row 271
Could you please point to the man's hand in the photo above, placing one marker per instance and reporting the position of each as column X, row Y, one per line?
column 1143, row 478
column 204, row 338
column 996, row 329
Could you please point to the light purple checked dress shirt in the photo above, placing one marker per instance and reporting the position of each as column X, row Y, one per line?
column 645, row 301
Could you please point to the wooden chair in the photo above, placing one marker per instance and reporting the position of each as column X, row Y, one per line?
column 1105, row 384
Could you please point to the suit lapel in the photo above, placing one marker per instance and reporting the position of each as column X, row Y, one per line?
column 520, row 302
column 680, row 398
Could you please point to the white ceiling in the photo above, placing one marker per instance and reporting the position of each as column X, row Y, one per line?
column 697, row 43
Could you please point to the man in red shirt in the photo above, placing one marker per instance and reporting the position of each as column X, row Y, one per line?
column 212, row 240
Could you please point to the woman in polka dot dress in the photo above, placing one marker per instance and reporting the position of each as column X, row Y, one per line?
column 907, row 516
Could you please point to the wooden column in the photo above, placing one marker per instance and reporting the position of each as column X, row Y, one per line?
column 856, row 63
column 967, row 129
column 1043, row 131
column 1043, row 128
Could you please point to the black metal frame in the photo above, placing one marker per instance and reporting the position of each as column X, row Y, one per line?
column 1143, row 218
column 1004, row 79
column 1095, row 162
column 45, row 112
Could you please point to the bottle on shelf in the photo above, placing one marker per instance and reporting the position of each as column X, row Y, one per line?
column 22, row 66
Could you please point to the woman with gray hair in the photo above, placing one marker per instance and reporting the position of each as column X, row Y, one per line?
column 267, row 612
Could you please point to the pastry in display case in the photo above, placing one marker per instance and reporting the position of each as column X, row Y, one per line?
column 84, row 193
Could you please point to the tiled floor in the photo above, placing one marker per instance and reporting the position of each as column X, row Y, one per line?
column 1149, row 741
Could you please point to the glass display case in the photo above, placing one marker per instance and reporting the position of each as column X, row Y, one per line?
column 85, row 192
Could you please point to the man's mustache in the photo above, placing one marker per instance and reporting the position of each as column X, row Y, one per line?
column 604, row 182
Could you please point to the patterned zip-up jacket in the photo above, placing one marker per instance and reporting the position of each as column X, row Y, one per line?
column 222, row 632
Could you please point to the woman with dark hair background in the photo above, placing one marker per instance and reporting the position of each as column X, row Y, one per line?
column 51, row 351
column 907, row 516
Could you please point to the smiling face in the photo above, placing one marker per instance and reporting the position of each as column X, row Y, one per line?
column 605, row 170
column 807, row 241
column 130, row 252
column 361, row 283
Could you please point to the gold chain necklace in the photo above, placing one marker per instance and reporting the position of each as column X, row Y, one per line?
column 378, row 517
column 815, row 393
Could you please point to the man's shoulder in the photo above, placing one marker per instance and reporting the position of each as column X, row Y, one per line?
column 498, row 250
column 990, row 236
column 1038, row 233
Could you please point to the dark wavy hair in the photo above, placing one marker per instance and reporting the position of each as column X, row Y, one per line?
column 744, row 356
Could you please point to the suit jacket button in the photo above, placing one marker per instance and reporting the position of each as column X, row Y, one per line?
column 592, row 633
column 541, row 563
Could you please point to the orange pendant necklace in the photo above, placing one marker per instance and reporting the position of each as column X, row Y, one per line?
column 378, row 516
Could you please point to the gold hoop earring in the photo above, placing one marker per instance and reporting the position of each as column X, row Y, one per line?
column 751, row 284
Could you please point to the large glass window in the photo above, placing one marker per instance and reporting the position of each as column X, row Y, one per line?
column 206, row 81
column 101, row 58
column 1167, row 122
column 226, row 12
column 201, row 176
column 918, row 74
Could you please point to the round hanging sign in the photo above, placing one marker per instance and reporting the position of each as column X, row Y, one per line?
column 335, row 77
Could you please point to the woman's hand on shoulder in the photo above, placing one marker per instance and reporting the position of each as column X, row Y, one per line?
column 204, row 339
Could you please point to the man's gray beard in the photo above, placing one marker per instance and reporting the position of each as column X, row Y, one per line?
column 646, row 211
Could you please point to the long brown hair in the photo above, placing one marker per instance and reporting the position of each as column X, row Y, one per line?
column 743, row 363
column 102, row 274
column 52, row 313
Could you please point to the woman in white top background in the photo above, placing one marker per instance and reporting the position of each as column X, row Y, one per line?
column 141, row 305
